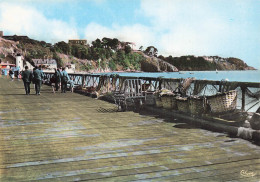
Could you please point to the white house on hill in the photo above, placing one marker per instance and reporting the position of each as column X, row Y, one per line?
column 70, row 68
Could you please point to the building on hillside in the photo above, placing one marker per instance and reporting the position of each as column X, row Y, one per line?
column 14, row 59
column 207, row 58
column 222, row 60
column 6, row 65
column 122, row 45
column 47, row 64
column 132, row 44
column 19, row 62
column 78, row 41
column 215, row 59
column 70, row 68
column 10, row 58
column 15, row 37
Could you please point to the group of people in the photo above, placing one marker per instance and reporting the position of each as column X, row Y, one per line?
column 61, row 79
column 36, row 77
column 13, row 74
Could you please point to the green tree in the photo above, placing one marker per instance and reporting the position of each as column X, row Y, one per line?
column 120, row 56
column 97, row 43
column 58, row 60
column 112, row 65
column 114, row 43
column 2, row 55
column 79, row 51
column 62, row 47
column 151, row 51
column 128, row 49
column 106, row 42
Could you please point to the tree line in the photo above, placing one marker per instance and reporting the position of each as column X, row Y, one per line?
column 112, row 53
column 108, row 53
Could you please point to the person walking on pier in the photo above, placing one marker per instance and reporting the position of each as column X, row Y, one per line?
column 71, row 83
column 11, row 74
column 38, row 75
column 57, row 76
column 40, row 68
column 27, row 78
column 64, row 80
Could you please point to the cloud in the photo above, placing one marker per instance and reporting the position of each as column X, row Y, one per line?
column 25, row 20
column 194, row 39
column 187, row 27
column 175, row 27
column 182, row 27
column 200, row 27
column 137, row 33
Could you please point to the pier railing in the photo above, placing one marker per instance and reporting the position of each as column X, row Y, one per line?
column 112, row 82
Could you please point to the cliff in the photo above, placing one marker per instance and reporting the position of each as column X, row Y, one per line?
column 8, row 47
column 154, row 64
column 204, row 63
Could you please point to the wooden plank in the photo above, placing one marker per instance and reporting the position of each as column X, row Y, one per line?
column 158, row 173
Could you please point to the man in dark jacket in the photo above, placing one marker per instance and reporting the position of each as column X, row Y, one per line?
column 27, row 78
column 38, row 76
column 64, row 80
column 57, row 77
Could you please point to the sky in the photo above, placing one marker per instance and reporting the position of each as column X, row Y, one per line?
column 226, row 28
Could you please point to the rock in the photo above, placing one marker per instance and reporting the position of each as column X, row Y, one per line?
column 245, row 133
column 246, row 124
column 150, row 65
column 164, row 66
column 154, row 64
column 255, row 120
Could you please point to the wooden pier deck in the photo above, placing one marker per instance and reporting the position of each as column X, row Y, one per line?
column 71, row 137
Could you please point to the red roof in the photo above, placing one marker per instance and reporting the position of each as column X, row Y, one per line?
column 7, row 64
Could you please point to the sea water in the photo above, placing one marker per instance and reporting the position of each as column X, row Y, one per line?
column 239, row 76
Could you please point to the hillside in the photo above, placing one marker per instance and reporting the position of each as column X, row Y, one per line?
column 103, row 55
column 8, row 49
column 111, row 55
column 203, row 63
